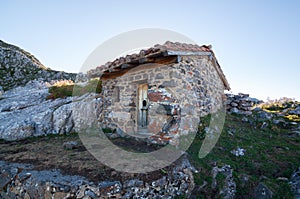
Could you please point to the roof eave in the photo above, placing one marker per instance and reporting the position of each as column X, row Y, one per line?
column 185, row 53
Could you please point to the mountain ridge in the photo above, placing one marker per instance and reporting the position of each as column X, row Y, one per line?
column 26, row 53
column 18, row 67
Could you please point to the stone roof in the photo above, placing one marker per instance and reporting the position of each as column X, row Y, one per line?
column 158, row 51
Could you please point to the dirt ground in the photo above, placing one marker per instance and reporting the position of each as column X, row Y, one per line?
column 47, row 153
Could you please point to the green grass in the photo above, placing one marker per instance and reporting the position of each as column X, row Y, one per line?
column 107, row 130
column 279, row 105
column 93, row 86
column 269, row 152
column 60, row 91
column 67, row 90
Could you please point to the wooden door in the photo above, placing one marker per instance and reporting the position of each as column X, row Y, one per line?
column 143, row 105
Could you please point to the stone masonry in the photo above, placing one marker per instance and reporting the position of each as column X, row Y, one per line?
column 178, row 94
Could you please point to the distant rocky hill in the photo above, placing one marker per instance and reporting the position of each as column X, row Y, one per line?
column 25, row 109
column 17, row 67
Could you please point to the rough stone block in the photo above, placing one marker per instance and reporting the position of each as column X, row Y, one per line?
column 159, row 76
column 171, row 83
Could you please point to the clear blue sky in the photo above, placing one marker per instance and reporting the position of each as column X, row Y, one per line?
column 257, row 43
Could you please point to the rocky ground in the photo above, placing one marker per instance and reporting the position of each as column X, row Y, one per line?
column 74, row 173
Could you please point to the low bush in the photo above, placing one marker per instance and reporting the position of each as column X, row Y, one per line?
column 67, row 88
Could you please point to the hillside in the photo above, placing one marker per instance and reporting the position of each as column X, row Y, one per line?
column 257, row 155
column 17, row 67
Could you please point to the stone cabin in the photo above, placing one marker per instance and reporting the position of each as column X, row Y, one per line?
column 161, row 91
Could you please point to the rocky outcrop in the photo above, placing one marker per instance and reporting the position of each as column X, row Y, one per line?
column 17, row 67
column 228, row 190
column 295, row 183
column 26, row 112
column 295, row 111
column 23, row 181
column 261, row 191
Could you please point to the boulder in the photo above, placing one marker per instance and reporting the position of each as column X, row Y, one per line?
column 261, row 191
column 238, row 152
column 1, row 91
column 25, row 111
column 295, row 111
column 70, row 145
column 234, row 110
column 228, row 190
column 265, row 115
column 295, row 183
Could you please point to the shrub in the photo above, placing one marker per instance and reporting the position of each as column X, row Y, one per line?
column 67, row 88
column 93, row 86
column 279, row 105
column 60, row 91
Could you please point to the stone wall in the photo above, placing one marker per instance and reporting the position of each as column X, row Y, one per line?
column 241, row 103
column 191, row 88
